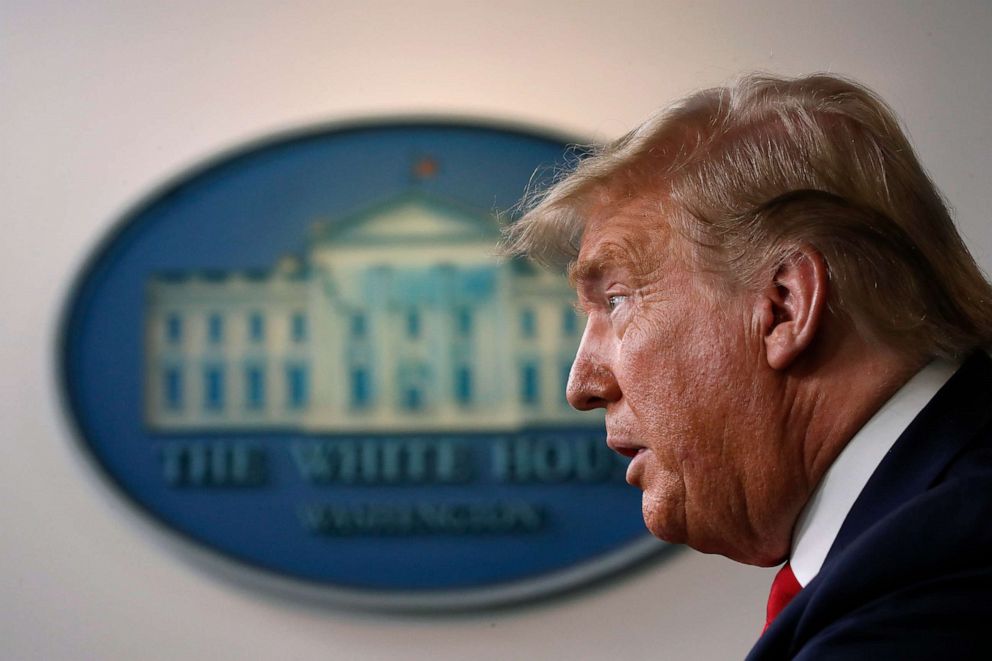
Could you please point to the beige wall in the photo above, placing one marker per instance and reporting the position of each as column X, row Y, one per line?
column 101, row 101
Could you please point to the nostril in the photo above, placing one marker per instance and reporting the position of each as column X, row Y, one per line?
column 586, row 395
column 590, row 403
column 591, row 385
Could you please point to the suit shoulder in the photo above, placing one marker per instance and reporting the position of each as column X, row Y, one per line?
column 943, row 617
column 916, row 583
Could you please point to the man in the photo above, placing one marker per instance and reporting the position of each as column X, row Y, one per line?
column 785, row 330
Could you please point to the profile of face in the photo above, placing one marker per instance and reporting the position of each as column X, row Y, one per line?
column 679, row 366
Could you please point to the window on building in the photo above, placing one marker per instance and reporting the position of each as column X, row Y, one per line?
column 358, row 329
column 174, row 328
column 215, row 328
column 361, row 395
column 569, row 321
column 298, row 327
column 255, row 387
column 173, row 388
column 256, row 327
column 528, row 322
column 463, row 384
column 529, row 383
column 413, row 324
column 297, row 386
column 213, row 387
column 413, row 379
column 413, row 398
column 463, row 322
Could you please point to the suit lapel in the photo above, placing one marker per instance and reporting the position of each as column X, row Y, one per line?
column 924, row 450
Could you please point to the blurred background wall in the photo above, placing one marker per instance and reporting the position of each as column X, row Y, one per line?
column 102, row 101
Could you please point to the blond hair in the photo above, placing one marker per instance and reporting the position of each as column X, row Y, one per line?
column 751, row 171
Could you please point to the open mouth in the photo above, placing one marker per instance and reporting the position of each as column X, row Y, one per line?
column 628, row 451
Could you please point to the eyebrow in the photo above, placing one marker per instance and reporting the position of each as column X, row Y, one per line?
column 581, row 271
column 608, row 254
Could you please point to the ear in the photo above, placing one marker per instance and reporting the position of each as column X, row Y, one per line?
column 792, row 305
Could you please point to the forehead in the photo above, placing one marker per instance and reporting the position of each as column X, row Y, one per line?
column 634, row 237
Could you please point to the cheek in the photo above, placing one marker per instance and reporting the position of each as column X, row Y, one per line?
column 677, row 379
column 653, row 380
column 655, row 359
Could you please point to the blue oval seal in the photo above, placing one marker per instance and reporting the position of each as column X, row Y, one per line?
column 304, row 357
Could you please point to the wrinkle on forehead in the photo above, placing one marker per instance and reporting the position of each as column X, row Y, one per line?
column 635, row 242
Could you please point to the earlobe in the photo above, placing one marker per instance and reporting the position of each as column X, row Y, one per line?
column 792, row 306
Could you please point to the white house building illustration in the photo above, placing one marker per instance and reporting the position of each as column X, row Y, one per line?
column 397, row 319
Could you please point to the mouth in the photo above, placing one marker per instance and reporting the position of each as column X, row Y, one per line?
column 633, row 452
column 626, row 449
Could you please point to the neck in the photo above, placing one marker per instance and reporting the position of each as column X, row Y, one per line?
column 831, row 400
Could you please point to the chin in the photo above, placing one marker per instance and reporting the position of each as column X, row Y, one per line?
column 666, row 533
column 662, row 521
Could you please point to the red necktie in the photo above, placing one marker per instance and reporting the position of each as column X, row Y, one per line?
column 784, row 588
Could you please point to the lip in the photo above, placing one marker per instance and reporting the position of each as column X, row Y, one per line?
column 633, row 452
column 625, row 448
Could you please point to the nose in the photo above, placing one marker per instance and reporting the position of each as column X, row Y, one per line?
column 591, row 381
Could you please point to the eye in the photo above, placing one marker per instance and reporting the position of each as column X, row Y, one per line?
column 613, row 301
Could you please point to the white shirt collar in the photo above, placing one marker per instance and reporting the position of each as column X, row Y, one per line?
column 821, row 519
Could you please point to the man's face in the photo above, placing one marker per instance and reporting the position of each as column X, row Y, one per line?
column 678, row 367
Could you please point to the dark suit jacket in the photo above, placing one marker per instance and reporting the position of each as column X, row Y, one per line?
column 910, row 573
